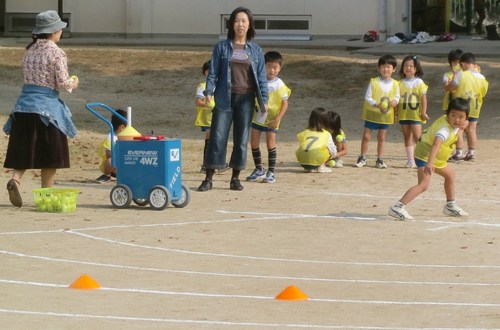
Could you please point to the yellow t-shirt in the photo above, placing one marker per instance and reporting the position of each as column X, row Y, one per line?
column 372, row 113
column 410, row 105
column 447, row 96
column 313, row 147
column 440, row 128
column 278, row 92
column 203, row 114
column 101, row 151
column 472, row 86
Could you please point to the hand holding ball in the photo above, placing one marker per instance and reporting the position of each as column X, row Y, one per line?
column 384, row 106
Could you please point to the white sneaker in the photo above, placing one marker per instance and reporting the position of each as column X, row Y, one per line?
column 454, row 211
column 360, row 162
column 270, row 178
column 410, row 164
column 324, row 169
column 380, row 164
column 256, row 175
column 399, row 213
column 339, row 163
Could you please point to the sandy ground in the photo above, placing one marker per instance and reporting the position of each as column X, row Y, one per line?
column 220, row 261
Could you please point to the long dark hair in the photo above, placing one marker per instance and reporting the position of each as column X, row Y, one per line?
column 35, row 37
column 419, row 72
column 318, row 119
column 232, row 18
column 335, row 123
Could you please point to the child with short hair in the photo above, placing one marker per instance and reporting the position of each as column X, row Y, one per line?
column 104, row 149
column 204, row 111
column 382, row 96
column 277, row 107
column 412, row 107
column 431, row 155
column 339, row 138
column 469, row 84
column 316, row 144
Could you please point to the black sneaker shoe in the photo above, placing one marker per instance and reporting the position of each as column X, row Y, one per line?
column 235, row 184
column 103, row 179
column 469, row 158
column 205, row 185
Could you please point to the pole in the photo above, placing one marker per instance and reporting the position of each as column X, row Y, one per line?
column 60, row 8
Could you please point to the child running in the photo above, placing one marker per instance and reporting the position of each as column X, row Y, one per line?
column 339, row 138
column 277, row 107
column 473, row 86
column 431, row 155
column 316, row 144
column 382, row 96
column 412, row 107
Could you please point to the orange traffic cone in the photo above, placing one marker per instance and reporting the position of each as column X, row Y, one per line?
column 85, row 282
column 291, row 293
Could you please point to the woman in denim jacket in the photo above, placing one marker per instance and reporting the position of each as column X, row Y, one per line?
column 40, row 122
column 237, row 76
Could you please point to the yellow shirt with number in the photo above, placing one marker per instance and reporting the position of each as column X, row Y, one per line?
column 472, row 86
column 372, row 113
column 313, row 147
column 410, row 104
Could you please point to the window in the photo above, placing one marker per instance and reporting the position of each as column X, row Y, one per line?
column 278, row 26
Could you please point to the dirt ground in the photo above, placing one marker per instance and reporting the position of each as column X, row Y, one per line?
column 219, row 262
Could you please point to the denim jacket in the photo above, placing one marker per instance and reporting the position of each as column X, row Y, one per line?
column 45, row 102
column 219, row 76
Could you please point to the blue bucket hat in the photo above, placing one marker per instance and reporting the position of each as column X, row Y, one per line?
column 48, row 22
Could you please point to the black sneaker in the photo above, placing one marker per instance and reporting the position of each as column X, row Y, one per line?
column 469, row 158
column 103, row 178
column 205, row 185
column 235, row 184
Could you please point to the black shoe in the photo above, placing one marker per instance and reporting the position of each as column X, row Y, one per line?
column 235, row 185
column 103, row 178
column 205, row 185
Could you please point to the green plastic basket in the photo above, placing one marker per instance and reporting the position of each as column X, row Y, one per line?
column 55, row 200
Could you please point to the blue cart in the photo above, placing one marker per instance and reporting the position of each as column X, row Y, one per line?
column 148, row 169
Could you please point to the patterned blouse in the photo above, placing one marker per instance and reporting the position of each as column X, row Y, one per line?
column 45, row 64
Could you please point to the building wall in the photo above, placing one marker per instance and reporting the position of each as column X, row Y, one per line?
column 329, row 17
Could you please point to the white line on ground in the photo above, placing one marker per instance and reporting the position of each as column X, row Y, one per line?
column 214, row 323
column 272, row 277
column 236, row 296
column 326, row 262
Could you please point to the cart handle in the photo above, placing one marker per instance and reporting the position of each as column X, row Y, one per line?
column 90, row 107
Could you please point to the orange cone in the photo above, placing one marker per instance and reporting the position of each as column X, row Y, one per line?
column 85, row 282
column 291, row 293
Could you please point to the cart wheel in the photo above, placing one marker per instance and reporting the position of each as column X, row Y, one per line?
column 184, row 199
column 141, row 201
column 159, row 197
column 121, row 196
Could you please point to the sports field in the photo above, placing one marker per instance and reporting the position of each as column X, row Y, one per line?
column 220, row 262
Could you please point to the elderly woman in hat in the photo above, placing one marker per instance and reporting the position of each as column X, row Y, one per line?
column 40, row 122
